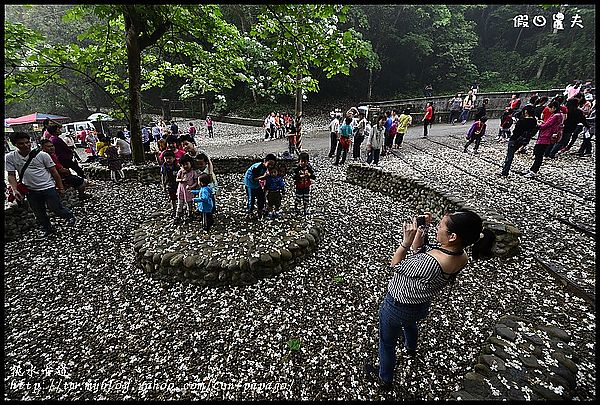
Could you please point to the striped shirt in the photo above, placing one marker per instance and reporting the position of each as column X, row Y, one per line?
column 417, row 279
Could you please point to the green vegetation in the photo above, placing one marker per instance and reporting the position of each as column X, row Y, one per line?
column 253, row 59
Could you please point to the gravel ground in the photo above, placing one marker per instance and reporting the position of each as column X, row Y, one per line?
column 81, row 322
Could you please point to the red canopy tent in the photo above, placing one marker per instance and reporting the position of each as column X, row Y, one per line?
column 35, row 118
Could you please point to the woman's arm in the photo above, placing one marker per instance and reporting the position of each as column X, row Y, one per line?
column 410, row 230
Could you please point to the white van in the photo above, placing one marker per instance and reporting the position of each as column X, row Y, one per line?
column 74, row 127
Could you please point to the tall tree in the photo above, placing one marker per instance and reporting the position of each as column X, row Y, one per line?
column 305, row 36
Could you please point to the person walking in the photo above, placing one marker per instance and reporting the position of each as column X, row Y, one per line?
column 427, row 117
column 525, row 128
column 574, row 117
column 359, row 136
column 550, row 129
column 419, row 278
column 455, row 108
column 467, row 105
column 475, row 133
column 41, row 180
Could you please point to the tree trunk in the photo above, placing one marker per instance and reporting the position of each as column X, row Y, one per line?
column 370, row 89
column 135, row 107
column 299, row 111
column 541, row 68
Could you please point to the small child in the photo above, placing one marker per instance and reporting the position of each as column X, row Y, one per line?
column 187, row 178
column 303, row 173
column 204, row 201
column 168, row 174
column 274, row 188
column 475, row 133
column 506, row 121
column 115, row 165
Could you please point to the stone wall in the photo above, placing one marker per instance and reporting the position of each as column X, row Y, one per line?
column 200, row 269
column 20, row 219
column 150, row 172
column 427, row 197
column 521, row 361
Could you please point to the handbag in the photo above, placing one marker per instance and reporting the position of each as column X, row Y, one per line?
column 21, row 188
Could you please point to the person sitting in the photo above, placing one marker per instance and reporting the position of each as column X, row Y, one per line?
column 68, row 178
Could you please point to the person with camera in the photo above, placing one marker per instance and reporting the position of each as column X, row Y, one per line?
column 419, row 277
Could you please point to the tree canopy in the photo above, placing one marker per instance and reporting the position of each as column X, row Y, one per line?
column 73, row 60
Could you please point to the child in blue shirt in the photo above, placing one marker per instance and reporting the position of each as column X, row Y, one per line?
column 204, row 201
column 274, row 189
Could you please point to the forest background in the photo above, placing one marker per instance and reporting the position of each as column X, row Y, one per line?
column 392, row 52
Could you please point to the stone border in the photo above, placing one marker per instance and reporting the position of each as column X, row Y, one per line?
column 18, row 220
column 201, row 270
column 522, row 361
column 149, row 173
column 427, row 197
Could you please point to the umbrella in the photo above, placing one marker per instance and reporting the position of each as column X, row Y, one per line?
column 100, row 118
column 35, row 118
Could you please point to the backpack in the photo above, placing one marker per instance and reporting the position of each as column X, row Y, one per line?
column 472, row 130
column 507, row 121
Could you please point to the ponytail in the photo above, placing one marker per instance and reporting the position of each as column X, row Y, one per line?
column 482, row 249
column 469, row 228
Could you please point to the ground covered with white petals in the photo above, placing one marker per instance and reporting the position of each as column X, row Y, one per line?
column 82, row 322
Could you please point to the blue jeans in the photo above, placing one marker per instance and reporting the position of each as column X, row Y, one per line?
column 373, row 156
column 510, row 154
column 258, row 195
column 38, row 201
column 393, row 319
column 464, row 115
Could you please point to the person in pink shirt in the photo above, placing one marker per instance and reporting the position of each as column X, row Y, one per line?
column 427, row 117
column 545, row 137
column 173, row 145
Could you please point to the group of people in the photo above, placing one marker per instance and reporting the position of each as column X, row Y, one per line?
column 188, row 178
column 279, row 126
column 265, row 186
column 384, row 133
column 154, row 135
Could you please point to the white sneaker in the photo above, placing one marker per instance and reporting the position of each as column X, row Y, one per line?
column 530, row 174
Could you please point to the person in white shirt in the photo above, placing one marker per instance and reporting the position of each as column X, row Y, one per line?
column 334, row 128
column 41, row 179
column 122, row 145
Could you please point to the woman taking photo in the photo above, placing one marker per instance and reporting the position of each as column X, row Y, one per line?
column 419, row 278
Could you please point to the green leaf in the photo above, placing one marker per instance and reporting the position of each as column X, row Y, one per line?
column 294, row 344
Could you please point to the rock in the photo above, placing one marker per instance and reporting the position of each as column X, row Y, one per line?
column 233, row 265
column 213, row 265
column 562, row 359
column 176, row 260
column 212, row 276
column 244, row 264
column 509, row 322
column 564, row 373
column 482, row 369
column 247, row 277
column 463, row 395
column 190, row 261
column 303, row 243
column 533, row 338
column 506, row 333
column 167, row 258
column 253, row 261
column 556, row 332
column 476, row 385
column 529, row 361
column 156, row 258
column 266, row 259
column 223, row 276
column 275, row 256
column 493, row 362
column 544, row 392
column 499, row 342
column 286, row 255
